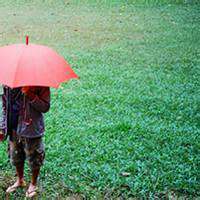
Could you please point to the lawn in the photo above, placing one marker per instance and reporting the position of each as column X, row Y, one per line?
column 130, row 126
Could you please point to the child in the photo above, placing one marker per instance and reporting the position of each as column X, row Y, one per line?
column 24, row 123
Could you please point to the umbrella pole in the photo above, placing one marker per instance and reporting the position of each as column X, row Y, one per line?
column 27, row 40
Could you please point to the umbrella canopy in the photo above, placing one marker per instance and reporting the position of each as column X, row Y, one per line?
column 32, row 65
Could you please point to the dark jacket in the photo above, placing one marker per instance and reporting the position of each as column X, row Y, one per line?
column 27, row 110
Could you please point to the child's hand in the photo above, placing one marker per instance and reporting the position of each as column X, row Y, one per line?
column 29, row 92
column 25, row 89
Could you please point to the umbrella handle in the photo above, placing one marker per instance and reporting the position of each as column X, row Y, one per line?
column 27, row 40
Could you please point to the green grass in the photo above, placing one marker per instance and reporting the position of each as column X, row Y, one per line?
column 136, row 106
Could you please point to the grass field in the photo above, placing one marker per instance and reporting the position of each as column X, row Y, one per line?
column 130, row 126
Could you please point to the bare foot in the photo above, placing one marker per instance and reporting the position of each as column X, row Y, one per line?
column 32, row 191
column 19, row 183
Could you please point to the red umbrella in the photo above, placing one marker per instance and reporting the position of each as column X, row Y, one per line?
column 32, row 65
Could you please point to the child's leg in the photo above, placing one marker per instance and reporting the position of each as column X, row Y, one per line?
column 17, row 158
column 35, row 155
column 20, row 173
column 35, row 174
column 20, row 180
